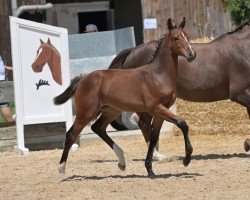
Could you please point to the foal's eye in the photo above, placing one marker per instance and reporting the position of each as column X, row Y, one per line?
column 176, row 39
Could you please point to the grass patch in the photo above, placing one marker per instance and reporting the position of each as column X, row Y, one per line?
column 2, row 149
column 12, row 108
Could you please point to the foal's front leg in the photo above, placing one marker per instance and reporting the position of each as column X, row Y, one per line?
column 163, row 112
column 154, row 137
column 144, row 124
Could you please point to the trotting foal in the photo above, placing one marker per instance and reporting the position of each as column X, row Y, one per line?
column 151, row 89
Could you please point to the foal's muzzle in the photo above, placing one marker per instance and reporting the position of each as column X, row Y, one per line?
column 191, row 56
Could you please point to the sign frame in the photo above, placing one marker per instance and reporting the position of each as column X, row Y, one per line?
column 65, row 114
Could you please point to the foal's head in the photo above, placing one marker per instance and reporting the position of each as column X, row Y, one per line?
column 179, row 41
column 43, row 55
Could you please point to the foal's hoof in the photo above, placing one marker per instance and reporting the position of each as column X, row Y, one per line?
column 122, row 167
column 186, row 161
column 151, row 175
column 247, row 145
column 61, row 169
column 63, row 177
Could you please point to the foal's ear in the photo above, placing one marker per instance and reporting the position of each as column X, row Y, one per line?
column 182, row 24
column 170, row 25
column 41, row 41
column 48, row 42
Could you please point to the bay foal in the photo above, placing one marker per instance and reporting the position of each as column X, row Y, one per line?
column 151, row 88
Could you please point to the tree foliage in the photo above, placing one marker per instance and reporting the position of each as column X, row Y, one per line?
column 239, row 10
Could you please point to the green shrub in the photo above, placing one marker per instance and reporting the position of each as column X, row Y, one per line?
column 239, row 11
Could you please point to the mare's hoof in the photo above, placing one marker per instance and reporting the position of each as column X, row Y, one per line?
column 121, row 167
column 151, row 175
column 186, row 161
column 247, row 145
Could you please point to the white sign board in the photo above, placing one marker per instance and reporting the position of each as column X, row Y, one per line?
column 150, row 23
column 40, row 61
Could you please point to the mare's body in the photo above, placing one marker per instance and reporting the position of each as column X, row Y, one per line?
column 220, row 71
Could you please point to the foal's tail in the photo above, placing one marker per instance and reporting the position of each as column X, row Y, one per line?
column 119, row 59
column 65, row 96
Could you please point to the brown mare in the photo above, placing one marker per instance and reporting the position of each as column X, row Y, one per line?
column 145, row 89
column 47, row 53
column 220, row 71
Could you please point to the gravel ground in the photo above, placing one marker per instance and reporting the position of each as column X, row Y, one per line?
column 219, row 169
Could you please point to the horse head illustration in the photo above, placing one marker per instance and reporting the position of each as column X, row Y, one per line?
column 47, row 53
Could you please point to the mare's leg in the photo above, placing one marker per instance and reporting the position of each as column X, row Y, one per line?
column 144, row 124
column 244, row 99
column 162, row 112
column 99, row 127
column 154, row 137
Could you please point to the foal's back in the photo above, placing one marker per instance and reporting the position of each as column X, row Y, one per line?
column 125, row 88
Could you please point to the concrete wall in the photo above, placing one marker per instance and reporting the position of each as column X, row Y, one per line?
column 66, row 15
column 95, row 51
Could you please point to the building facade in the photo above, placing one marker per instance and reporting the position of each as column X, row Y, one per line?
column 204, row 17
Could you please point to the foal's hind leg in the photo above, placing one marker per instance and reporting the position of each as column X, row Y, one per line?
column 70, row 139
column 80, row 122
column 99, row 127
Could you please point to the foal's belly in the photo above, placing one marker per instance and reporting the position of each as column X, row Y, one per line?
column 125, row 105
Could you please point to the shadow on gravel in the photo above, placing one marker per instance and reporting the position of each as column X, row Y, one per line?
column 202, row 157
column 180, row 175
column 103, row 161
column 220, row 156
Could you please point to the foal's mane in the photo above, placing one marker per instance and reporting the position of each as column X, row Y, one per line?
column 155, row 53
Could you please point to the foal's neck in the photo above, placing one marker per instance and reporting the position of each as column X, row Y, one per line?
column 166, row 63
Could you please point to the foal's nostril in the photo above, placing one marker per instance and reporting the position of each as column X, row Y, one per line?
column 192, row 55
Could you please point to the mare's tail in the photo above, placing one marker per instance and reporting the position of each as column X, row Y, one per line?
column 65, row 96
column 119, row 59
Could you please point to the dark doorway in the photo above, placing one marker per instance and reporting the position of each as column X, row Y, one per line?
column 100, row 19
column 129, row 13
